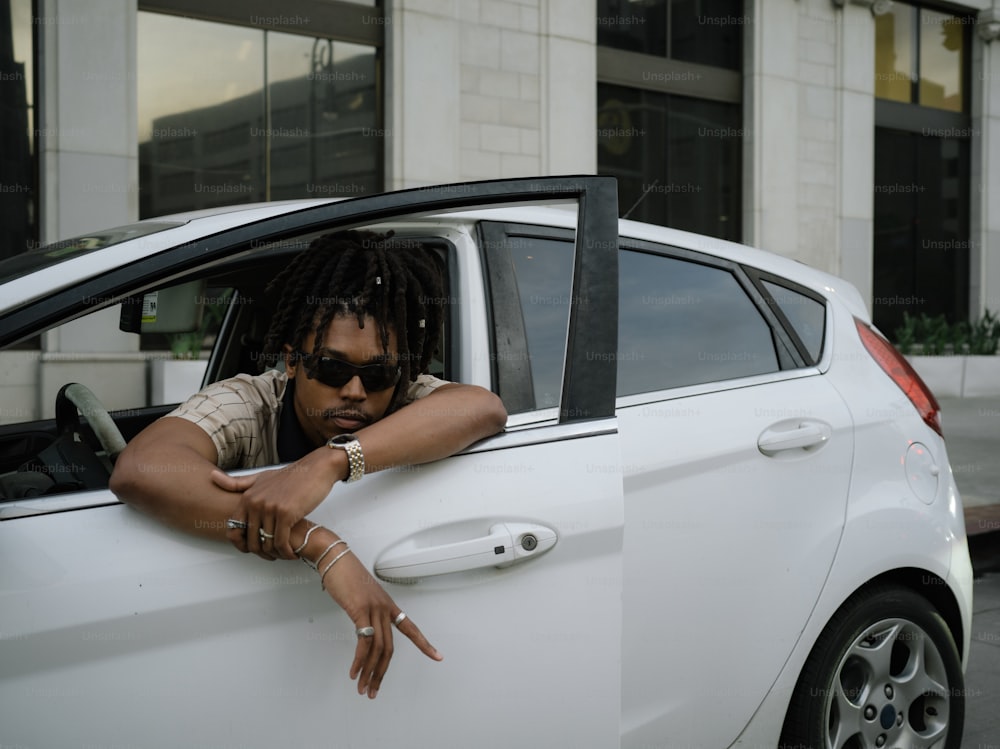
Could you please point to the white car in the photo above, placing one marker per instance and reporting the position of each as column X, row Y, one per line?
column 721, row 514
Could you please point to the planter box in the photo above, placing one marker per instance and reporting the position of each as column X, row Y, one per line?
column 943, row 374
column 982, row 376
column 959, row 376
column 175, row 380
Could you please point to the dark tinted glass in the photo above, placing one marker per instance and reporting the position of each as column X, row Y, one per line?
column 272, row 116
column 806, row 315
column 677, row 159
column 708, row 32
column 18, row 229
column 324, row 137
column 922, row 241
column 637, row 27
column 681, row 323
column 67, row 249
column 544, row 269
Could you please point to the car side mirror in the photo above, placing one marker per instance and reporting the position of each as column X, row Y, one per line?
column 175, row 309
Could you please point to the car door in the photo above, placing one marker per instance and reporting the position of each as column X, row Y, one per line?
column 739, row 463
column 117, row 631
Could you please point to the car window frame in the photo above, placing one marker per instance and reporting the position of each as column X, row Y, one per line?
column 588, row 388
column 585, row 392
column 758, row 277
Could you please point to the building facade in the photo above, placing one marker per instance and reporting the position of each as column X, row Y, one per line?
column 861, row 137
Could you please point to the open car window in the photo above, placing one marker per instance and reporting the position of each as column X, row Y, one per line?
column 161, row 344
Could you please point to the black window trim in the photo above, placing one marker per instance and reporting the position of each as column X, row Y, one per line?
column 334, row 19
column 757, row 277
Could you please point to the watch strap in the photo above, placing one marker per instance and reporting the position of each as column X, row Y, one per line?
column 355, row 456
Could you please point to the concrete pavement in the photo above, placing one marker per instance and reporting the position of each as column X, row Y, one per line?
column 972, row 433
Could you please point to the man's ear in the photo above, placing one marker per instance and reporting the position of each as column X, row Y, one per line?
column 290, row 361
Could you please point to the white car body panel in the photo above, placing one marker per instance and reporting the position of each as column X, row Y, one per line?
column 121, row 628
column 761, row 535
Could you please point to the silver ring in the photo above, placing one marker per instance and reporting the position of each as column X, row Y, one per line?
column 400, row 618
column 264, row 535
column 232, row 524
column 365, row 631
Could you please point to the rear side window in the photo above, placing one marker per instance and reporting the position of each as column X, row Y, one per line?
column 806, row 316
column 683, row 323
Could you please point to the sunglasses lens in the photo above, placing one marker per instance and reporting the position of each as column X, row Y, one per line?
column 337, row 373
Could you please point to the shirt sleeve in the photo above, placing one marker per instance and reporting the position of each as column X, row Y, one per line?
column 238, row 415
column 424, row 385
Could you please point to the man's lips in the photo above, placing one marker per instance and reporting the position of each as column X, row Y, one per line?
column 349, row 419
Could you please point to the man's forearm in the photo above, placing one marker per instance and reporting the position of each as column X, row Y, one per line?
column 434, row 427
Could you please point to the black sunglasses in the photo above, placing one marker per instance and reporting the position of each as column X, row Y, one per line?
column 337, row 372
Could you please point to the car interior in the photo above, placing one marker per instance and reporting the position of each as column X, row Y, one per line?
column 224, row 307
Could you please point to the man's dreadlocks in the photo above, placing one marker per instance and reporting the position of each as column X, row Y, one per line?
column 361, row 273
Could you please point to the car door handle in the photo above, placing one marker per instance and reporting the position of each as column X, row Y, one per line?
column 789, row 436
column 504, row 544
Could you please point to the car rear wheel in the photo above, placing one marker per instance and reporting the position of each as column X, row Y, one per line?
column 884, row 673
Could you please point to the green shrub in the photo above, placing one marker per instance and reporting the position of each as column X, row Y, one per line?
column 933, row 336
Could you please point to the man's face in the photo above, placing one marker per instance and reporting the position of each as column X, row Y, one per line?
column 325, row 411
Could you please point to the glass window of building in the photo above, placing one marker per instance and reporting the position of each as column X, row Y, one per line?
column 669, row 119
column 922, row 190
column 921, row 58
column 708, row 32
column 18, row 158
column 274, row 115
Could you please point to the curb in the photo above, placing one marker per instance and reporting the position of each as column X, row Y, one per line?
column 982, row 527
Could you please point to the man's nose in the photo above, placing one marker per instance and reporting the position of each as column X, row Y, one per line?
column 353, row 389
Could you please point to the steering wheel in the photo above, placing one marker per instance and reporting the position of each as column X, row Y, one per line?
column 76, row 396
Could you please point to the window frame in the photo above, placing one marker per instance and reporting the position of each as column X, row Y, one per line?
column 511, row 365
column 758, row 277
column 333, row 19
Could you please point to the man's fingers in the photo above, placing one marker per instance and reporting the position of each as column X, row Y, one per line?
column 232, row 483
column 361, row 651
column 411, row 630
column 371, row 661
column 238, row 538
column 382, row 664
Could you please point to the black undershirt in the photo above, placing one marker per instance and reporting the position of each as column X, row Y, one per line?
column 293, row 443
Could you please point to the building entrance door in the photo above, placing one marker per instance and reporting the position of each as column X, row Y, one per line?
column 921, row 243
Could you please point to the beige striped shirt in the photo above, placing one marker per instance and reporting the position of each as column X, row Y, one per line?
column 241, row 415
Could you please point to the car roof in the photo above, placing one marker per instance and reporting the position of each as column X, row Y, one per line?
column 207, row 221
column 819, row 281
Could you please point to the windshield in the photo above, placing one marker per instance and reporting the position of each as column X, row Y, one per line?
column 51, row 254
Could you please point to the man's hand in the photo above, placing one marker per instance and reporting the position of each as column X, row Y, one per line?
column 274, row 501
column 368, row 605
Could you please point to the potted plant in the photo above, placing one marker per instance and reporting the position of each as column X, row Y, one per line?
column 953, row 359
column 982, row 365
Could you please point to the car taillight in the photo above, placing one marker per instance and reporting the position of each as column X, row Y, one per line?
column 895, row 365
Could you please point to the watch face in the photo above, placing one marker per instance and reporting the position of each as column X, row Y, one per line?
column 343, row 439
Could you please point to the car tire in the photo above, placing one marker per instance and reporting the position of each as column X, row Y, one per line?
column 884, row 672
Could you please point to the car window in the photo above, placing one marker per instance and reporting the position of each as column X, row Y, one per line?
column 51, row 254
column 544, row 270
column 806, row 315
column 138, row 363
column 684, row 323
